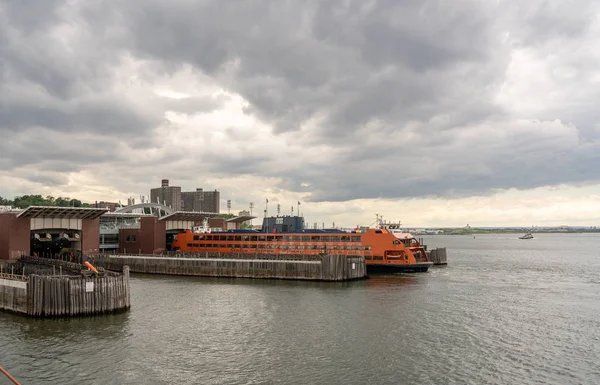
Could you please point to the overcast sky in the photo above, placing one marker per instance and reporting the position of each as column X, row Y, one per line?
column 435, row 113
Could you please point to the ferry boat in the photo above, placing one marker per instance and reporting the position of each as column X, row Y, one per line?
column 382, row 250
column 409, row 241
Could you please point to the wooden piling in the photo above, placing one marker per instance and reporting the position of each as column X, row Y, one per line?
column 438, row 256
column 63, row 295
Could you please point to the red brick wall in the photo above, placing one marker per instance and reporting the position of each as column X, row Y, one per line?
column 131, row 246
column 20, row 237
column 5, row 220
column 90, row 235
column 152, row 235
column 14, row 236
column 217, row 222
column 160, row 236
column 149, row 238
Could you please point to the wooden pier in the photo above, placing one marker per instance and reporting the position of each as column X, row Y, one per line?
column 63, row 295
column 267, row 266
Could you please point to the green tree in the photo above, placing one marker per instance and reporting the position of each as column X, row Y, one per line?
column 5, row 202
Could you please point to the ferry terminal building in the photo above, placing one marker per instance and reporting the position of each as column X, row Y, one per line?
column 70, row 232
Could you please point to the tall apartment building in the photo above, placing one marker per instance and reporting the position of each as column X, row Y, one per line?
column 212, row 202
column 167, row 195
column 192, row 200
column 199, row 200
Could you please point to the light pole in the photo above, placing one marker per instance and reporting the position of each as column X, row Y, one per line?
column 251, row 207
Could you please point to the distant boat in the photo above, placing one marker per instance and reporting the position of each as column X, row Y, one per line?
column 527, row 236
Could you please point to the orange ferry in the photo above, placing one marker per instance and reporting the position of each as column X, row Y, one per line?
column 382, row 250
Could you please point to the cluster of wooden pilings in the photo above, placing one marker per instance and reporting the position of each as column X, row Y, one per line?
column 298, row 267
column 65, row 295
column 438, row 256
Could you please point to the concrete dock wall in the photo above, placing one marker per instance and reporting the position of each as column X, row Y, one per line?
column 318, row 268
column 13, row 293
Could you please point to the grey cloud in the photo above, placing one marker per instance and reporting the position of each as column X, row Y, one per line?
column 402, row 90
column 48, row 150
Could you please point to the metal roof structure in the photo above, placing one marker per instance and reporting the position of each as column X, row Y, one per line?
column 61, row 212
column 118, row 214
column 188, row 216
column 128, row 209
column 241, row 219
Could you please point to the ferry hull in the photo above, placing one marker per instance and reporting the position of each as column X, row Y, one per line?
column 390, row 268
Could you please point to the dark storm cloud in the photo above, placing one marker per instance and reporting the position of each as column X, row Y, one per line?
column 403, row 93
column 391, row 60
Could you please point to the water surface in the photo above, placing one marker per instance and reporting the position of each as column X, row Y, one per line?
column 505, row 311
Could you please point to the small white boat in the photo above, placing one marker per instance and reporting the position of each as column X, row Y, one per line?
column 527, row 236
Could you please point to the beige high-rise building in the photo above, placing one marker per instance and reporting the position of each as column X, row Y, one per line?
column 193, row 200
column 167, row 195
column 199, row 200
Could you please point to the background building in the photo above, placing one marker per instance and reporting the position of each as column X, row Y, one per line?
column 212, row 201
column 167, row 195
column 193, row 200
column 199, row 200
column 111, row 206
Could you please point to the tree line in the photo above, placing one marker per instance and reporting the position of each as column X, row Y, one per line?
column 25, row 201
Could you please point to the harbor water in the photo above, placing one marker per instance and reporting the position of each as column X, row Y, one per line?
column 504, row 311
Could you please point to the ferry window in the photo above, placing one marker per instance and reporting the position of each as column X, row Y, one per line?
column 222, row 238
column 253, row 246
column 305, row 238
column 190, row 245
column 209, row 237
column 237, row 246
column 270, row 237
column 315, row 247
column 325, row 238
column 230, row 237
column 369, row 257
column 296, row 238
column 315, row 238
column 196, row 237
column 378, row 258
column 252, row 238
column 345, row 238
column 245, row 238
column 237, row 238
column 355, row 238
column 287, row 238
column 278, row 238
column 396, row 242
column 261, row 238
